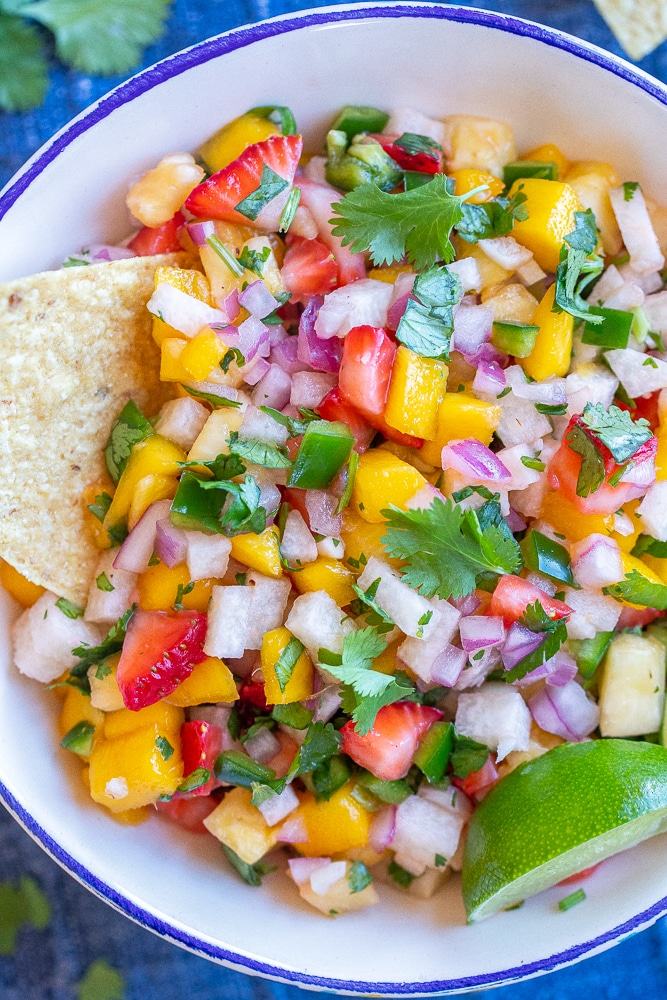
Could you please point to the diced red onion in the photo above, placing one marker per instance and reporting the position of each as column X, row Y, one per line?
column 277, row 334
column 321, row 506
column 286, row 355
column 481, row 631
column 382, row 829
column 231, row 303
column 448, row 665
column 322, row 355
column 565, row 711
column 273, row 389
column 515, row 522
column 263, row 746
column 472, row 458
column 294, row 831
column 257, row 372
column 302, row 868
column 257, row 299
column 558, row 671
column 104, row 253
column 171, row 543
column 466, row 605
column 253, row 338
column 327, row 704
column 137, row 549
column 520, row 642
column 324, row 878
column 199, row 232
column 396, row 310
column 489, row 378
column 472, row 328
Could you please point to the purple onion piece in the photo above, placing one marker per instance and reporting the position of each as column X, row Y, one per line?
column 171, row 543
column 565, row 711
column 481, row 631
column 471, row 457
column 489, row 378
column 199, row 232
column 273, row 389
column 257, row 299
column 448, row 665
column 322, row 355
column 520, row 642
column 137, row 549
column 257, row 372
column 286, row 355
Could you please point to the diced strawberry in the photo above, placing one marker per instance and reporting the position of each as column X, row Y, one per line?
column 580, row 876
column 423, row 162
column 309, row 268
column 631, row 617
column 477, row 783
column 253, row 692
column 319, row 198
column 201, row 742
column 645, row 406
column 513, row 594
column 159, row 652
column 387, row 750
column 188, row 812
column 334, row 406
column 163, row 239
column 219, row 195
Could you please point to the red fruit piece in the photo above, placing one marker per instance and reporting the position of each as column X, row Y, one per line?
column 159, row 652
column 387, row 750
column 318, row 199
column 513, row 595
column 309, row 268
column 335, row 407
column 421, row 161
column 265, row 165
column 162, row 239
column 477, row 783
column 188, row 813
column 201, row 742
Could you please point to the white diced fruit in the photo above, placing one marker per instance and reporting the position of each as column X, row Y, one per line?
column 208, row 555
column 638, row 373
column 229, row 622
column 43, row 639
column 637, row 230
column 111, row 591
column 632, row 686
column 495, row 715
column 413, row 614
column 653, row 511
column 520, row 422
column 213, row 440
column 181, row 421
column 428, row 830
column 317, row 621
column 298, row 545
column 269, row 601
column 592, row 612
column 420, row 654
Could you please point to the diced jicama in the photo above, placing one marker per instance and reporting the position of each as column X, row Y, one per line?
column 318, row 622
column 522, row 475
column 362, row 302
column 269, row 602
column 111, row 591
column 638, row 373
column 530, row 273
column 321, row 509
column 331, row 547
column 565, row 711
column 632, row 686
column 637, row 230
column 520, row 422
column 528, row 502
column 207, row 555
column 277, row 807
column 410, row 120
column 467, row 271
column 628, row 297
column 334, row 893
column 413, row 614
column 182, row 311
column 181, row 421
column 495, row 715
column 589, row 383
column 298, row 546
column 229, row 621
column 609, row 282
column 44, row 636
column 505, row 251
column 653, row 511
column 310, row 388
column 596, row 561
column 550, row 391
column 655, row 310
column 592, row 612
column 261, row 426
column 428, row 829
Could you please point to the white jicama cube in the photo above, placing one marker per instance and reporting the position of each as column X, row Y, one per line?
column 637, row 230
column 653, row 511
column 182, row 311
column 331, row 547
column 639, row 373
column 357, row 304
column 298, row 546
column 596, row 561
column 277, row 807
column 420, row 654
column 181, row 421
column 310, row 388
column 592, row 612
column 319, row 623
column 505, row 251
column 655, row 310
column 520, row 422
column 43, row 639
column 632, row 686
column 229, row 622
column 589, row 383
column 478, row 143
column 496, row 715
column 409, row 610
column 467, row 271
column 522, row 475
column 208, row 555
column 427, row 832
column 111, row 591
column 262, row 426
column 269, row 600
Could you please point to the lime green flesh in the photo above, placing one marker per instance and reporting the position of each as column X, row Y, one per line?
column 560, row 813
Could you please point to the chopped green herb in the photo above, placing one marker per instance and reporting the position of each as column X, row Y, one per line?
column 579, row 266
column 233, row 354
column 181, row 592
column 533, row 463
column 636, row 589
column 164, row 746
column 427, row 324
column 101, row 506
column 254, row 260
column 592, row 471
column 194, row 780
column 79, row 739
column 130, row 428
column 68, row 608
column 270, row 186
column 572, row 900
column 629, row 189
column 400, row 875
column 616, row 429
column 358, row 877
column 104, row 583
column 286, row 662
column 251, row 874
column 270, row 456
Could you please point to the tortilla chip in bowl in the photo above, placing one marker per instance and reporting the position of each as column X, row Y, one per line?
column 550, row 87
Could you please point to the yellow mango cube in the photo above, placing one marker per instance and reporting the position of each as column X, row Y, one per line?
column 333, row 826
column 467, row 179
column 566, row 520
column 331, row 575
column 661, row 454
column 390, row 273
column 171, row 369
column 156, row 456
column 551, row 206
column 202, row 354
column 135, row 769
column 460, row 416
column 18, row 586
column 148, row 490
column 383, row 479
column 416, row 390
column 241, row 827
column 168, row 718
column 211, row 681
column 553, row 346
column 299, row 687
column 228, row 142
column 77, row 707
column 158, row 588
column 549, row 153
column 362, row 540
column 260, row 552
column 339, row 898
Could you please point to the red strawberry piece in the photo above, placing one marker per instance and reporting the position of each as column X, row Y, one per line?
column 309, row 269
column 387, row 750
column 162, row 239
column 201, row 742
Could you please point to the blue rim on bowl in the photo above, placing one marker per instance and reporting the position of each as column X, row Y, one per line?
column 214, row 48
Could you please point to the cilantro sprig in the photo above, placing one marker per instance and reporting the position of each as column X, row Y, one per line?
column 93, row 36
column 579, row 266
column 616, row 430
column 636, row 589
column 427, row 324
column 446, row 548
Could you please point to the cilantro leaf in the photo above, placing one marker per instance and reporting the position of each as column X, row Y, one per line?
column 366, row 604
column 286, row 662
column 270, row 186
column 215, row 400
column 237, row 768
column 446, row 549
column 271, row 456
column 254, row 260
column 23, row 68
column 321, row 742
column 629, row 189
column 467, row 755
column 592, row 472
column 358, row 876
column 295, row 426
column 491, row 218
column 104, row 583
column 96, row 36
column 293, row 715
column 223, row 467
column 579, row 265
column 536, row 619
column 130, row 428
column 636, row 589
column 251, row 874
column 427, row 324
column 101, row 506
column 414, row 143
column 112, row 643
column 616, row 429
column 68, row 608
column 164, row 746
column 554, row 639
column 415, row 223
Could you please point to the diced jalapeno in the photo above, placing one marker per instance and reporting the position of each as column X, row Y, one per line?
column 79, row 739
column 434, row 751
column 543, row 555
column 612, row 332
column 589, row 652
column 517, row 339
column 356, row 118
column 194, row 508
column 324, row 450
column 364, row 161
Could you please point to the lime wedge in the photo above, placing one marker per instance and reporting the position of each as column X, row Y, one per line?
column 558, row 814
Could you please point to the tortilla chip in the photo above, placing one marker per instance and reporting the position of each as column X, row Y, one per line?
column 639, row 25
column 75, row 346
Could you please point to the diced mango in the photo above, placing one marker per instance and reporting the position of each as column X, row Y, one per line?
column 228, row 142
column 148, row 490
column 156, row 456
column 158, row 589
column 168, row 718
column 77, row 707
column 468, row 179
column 553, row 347
column 547, row 153
column 299, row 687
column 566, row 520
column 18, row 586
column 383, row 479
column 260, row 552
column 202, row 354
column 331, row 575
column 94, row 526
column 626, row 543
column 211, row 681
column 221, row 278
column 551, row 206
column 460, row 416
column 362, row 540
column 661, row 455
column 131, row 771
column 171, row 369
column 390, row 274
column 333, row 826
column 241, row 827
column 416, row 390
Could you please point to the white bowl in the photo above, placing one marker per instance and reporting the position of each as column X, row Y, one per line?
column 441, row 59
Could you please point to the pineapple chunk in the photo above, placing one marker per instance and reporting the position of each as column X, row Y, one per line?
column 632, row 686
column 104, row 690
column 478, row 144
column 339, row 898
column 241, row 827
column 213, row 438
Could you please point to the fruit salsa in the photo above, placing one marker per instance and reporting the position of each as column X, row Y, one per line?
column 396, row 548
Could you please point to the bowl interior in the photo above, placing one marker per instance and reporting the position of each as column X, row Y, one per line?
column 453, row 60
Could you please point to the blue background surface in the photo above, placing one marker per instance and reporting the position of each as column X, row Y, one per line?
column 48, row 964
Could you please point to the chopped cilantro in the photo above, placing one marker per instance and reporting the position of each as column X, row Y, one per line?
column 413, row 143
column 270, row 186
column 427, row 324
column 194, row 780
column 329, row 776
column 537, row 620
column 216, row 401
column 592, row 472
column 101, row 506
column 68, row 608
column 467, row 756
column 616, row 429
column 104, row 583
column 533, row 463
column 164, row 746
column 578, row 896
column 271, row 456
column 322, row 741
column 366, row 604
column 629, row 189
column 579, row 265
column 440, row 862
column 295, row 426
column 636, row 589
column 358, row 877
column 130, row 428
column 237, row 768
column 231, row 355
column 254, row 260
column 286, row 662
column 251, row 874
column 293, row 715
column 491, row 218
column 400, row 875
column 289, row 211
column 181, row 592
